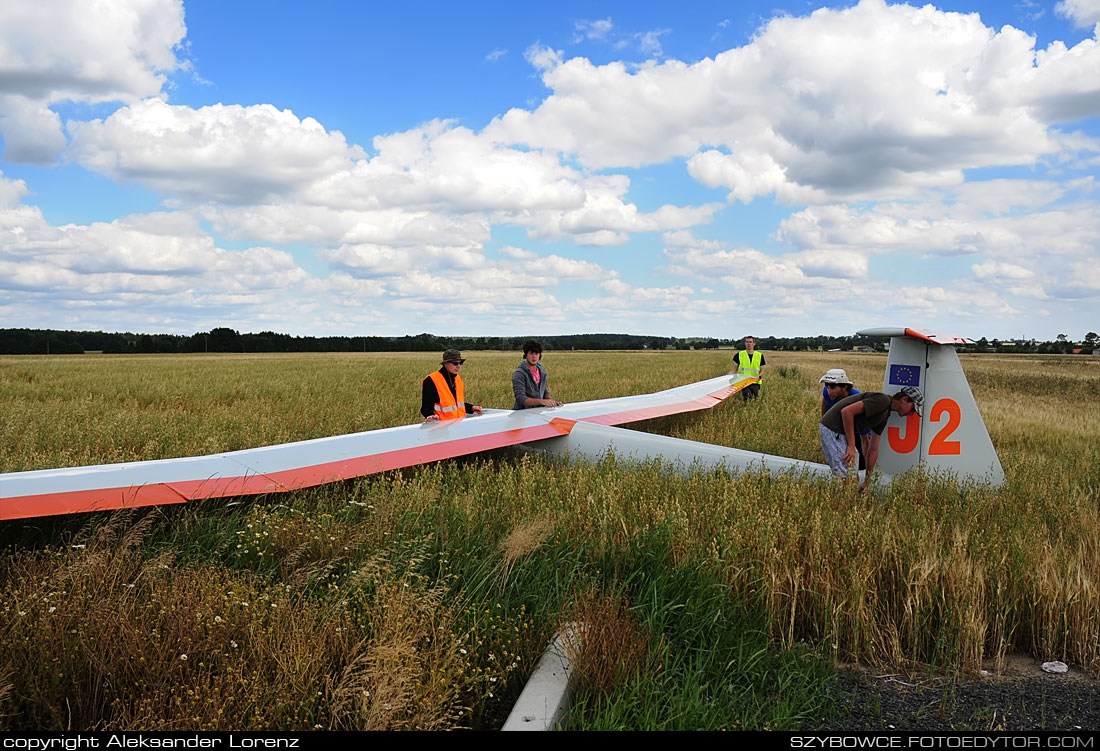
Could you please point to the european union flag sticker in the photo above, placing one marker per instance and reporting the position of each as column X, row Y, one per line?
column 904, row 375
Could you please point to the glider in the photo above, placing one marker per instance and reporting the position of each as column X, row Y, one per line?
column 580, row 430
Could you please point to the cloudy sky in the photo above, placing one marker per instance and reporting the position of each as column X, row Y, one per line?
column 688, row 169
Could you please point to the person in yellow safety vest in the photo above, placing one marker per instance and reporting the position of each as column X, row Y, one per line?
column 749, row 362
column 442, row 396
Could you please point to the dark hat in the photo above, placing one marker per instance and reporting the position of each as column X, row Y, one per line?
column 453, row 355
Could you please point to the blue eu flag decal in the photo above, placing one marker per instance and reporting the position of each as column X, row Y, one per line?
column 904, row 375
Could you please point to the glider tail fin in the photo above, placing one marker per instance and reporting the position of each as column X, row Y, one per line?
column 949, row 434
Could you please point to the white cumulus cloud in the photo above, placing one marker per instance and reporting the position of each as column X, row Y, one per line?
column 1083, row 13
column 67, row 50
column 868, row 102
column 226, row 153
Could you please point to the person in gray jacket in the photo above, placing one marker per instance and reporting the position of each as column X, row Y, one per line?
column 529, row 380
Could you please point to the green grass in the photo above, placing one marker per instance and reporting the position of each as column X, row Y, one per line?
column 710, row 663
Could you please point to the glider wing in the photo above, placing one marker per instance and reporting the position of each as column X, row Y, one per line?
column 289, row 466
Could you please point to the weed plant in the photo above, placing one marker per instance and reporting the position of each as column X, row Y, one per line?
column 421, row 598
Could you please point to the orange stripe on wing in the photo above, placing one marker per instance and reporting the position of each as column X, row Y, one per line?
column 79, row 501
column 319, row 474
column 108, row 499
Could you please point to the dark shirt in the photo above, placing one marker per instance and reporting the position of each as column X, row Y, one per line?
column 876, row 411
column 830, row 402
column 429, row 396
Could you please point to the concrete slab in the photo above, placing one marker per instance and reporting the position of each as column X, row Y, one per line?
column 546, row 697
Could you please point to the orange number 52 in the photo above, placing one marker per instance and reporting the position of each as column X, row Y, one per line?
column 940, row 446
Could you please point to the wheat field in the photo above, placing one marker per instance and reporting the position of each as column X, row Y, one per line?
column 420, row 598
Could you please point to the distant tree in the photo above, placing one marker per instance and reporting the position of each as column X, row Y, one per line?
column 1091, row 337
column 224, row 340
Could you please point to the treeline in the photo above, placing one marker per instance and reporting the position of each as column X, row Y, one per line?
column 48, row 341
column 39, row 342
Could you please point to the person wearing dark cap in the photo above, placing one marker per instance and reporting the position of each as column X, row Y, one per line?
column 442, row 395
column 866, row 411
column 530, row 383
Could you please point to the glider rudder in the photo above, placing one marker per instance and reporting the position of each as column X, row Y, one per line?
column 949, row 434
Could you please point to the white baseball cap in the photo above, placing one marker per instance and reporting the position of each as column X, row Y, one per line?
column 835, row 376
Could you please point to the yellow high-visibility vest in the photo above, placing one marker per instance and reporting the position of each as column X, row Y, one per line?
column 450, row 406
column 749, row 365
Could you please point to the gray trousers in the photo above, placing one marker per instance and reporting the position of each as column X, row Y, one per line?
column 835, row 446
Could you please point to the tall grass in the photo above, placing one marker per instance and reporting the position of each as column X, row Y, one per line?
column 107, row 638
column 421, row 598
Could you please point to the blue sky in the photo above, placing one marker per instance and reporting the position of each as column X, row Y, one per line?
column 707, row 170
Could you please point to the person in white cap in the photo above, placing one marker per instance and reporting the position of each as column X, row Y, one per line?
column 836, row 386
column 866, row 411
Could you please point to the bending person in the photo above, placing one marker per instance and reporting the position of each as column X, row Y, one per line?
column 867, row 411
column 442, row 395
column 530, row 383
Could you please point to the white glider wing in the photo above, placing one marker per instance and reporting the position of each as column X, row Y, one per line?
column 289, row 466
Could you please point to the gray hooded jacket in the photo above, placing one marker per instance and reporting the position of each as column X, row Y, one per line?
column 523, row 385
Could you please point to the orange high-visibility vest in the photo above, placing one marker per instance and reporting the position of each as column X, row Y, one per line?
column 450, row 406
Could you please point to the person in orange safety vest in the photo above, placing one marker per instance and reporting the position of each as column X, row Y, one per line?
column 442, row 396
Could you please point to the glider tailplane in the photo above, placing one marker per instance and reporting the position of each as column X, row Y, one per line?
column 949, row 434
